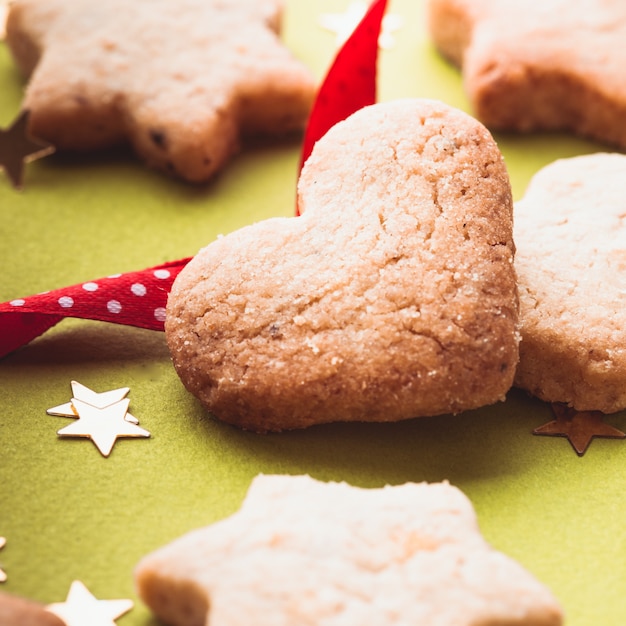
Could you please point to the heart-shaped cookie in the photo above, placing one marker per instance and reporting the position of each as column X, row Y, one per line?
column 393, row 295
column 571, row 233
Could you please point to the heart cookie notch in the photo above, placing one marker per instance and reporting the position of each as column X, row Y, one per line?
column 392, row 295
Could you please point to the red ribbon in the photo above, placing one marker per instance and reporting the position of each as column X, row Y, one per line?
column 139, row 298
column 135, row 299
column 350, row 83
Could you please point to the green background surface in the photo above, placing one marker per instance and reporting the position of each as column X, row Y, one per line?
column 68, row 513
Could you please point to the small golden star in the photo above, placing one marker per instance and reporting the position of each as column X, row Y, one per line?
column 102, row 425
column 17, row 148
column 98, row 400
column 82, row 608
column 580, row 427
column 343, row 24
column 3, row 576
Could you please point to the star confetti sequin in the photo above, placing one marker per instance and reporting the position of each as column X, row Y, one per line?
column 98, row 400
column 82, row 608
column 104, row 422
column 580, row 427
column 343, row 24
column 3, row 576
column 17, row 148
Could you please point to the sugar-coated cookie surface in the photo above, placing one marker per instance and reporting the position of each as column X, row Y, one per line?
column 553, row 64
column 392, row 296
column 570, row 233
column 302, row 552
column 181, row 80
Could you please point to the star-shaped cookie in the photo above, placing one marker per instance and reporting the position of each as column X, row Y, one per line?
column 301, row 551
column 180, row 80
column 549, row 65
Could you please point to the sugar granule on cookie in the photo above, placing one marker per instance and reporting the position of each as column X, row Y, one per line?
column 571, row 263
column 392, row 296
column 181, row 81
column 549, row 65
column 342, row 555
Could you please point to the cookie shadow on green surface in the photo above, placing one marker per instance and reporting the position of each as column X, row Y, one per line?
column 486, row 443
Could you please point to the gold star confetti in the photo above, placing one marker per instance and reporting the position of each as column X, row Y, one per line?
column 82, row 608
column 580, row 427
column 3, row 576
column 103, row 426
column 17, row 148
column 98, row 400
column 343, row 24
column 101, row 417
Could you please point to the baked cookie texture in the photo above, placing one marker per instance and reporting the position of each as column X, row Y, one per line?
column 392, row 296
column 17, row 611
column 342, row 555
column 549, row 65
column 571, row 263
column 181, row 80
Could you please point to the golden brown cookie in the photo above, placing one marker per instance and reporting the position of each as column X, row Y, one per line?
column 392, row 296
column 570, row 233
column 16, row 611
column 545, row 65
column 181, row 80
column 302, row 552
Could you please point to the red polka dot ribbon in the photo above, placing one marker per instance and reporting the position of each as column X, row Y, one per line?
column 135, row 299
column 139, row 298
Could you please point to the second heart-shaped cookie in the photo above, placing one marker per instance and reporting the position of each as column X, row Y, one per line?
column 391, row 296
